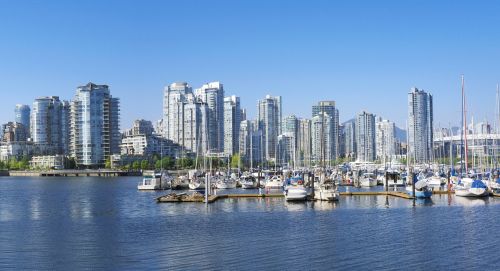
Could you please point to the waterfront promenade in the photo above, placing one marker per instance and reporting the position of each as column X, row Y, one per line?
column 74, row 173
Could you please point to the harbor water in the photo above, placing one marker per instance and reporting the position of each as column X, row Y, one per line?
column 106, row 224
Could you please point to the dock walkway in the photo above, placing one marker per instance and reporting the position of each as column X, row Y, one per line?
column 174, row 198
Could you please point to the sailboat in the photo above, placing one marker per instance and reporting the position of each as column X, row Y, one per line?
column 324, row 188
column 467, row 187
column 422, row 188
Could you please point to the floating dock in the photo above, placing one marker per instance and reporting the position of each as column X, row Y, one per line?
column 196, row 197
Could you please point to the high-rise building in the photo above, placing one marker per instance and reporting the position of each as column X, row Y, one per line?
column 304, row 156
column 213, row 95
column 269, row 117
column 365, row 137
column 95, row 125
column 291, row 125
column 327, row 107
column 141, row 140
column 232, row 121
column 14, row 132
column 195, row 135
column 174, row 98
column 324, row 138
column 350, row 139
column 185, row 118
column 23, row 115
column 330, row 109
column 243, row 114
column 50, row 124
column 140, row 127
column 420, row 125
column 385, row 139
column 286, row 149
column 245, row 140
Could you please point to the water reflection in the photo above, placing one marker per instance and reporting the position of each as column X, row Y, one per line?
column 470, row 201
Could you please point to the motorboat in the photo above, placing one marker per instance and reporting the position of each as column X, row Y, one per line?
column 296, row 193
column 468, row 187
column 155, row 180
column 368, row 180
column 226, row 182
column 274, row 182
column 248, row 182
column 395, row 179
column 325, row 189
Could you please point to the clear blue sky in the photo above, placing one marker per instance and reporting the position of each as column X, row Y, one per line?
column 365, row 55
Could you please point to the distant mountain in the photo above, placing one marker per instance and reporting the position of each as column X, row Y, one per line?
column 400, row 134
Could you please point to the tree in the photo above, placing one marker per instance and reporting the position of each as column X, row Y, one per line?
column 108, row 163
column 144, row 164
column 136, row 165
column 71, row 163
column 235, row 160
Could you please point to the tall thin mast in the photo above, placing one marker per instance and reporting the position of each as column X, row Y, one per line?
column 464, row 123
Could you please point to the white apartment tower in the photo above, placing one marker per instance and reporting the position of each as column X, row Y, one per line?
column 420, row 125
column 95, row 130
column 365, row 137
column 323, row 138
column 304, row 142
column 212, row 94
column 385, row 139
column 269, row 121
column 232, row 121
column 50, row 123
column 185, row 118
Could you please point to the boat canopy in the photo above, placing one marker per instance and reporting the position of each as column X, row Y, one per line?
column 478, row 184
column 420, row 184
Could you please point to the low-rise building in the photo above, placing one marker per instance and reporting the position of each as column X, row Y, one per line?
column 49, row 162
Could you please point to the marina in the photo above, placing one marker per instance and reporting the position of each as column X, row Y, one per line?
column 107, row 223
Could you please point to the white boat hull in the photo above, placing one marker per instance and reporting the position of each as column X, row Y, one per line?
column 368, row 182
column 296, row 194
column 248, row 185
column 326, row 195
column 228, row 185
column 472, row 192
column 196, row 186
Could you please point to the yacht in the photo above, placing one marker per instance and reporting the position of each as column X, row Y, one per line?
column 325, row 189
column 368, row 180
column 225, row 182
column 248, row 182
column 155, row 180
column 274, row 183
column 468, row 187
column 398, row 179
column 296, row 193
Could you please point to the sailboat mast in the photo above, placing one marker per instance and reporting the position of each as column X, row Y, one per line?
column 465, row 127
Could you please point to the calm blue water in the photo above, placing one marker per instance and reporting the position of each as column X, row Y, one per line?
column 106, row 224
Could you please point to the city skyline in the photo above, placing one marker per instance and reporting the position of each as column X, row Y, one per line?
column 323, row 49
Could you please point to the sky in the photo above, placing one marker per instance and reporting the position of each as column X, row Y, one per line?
column 365, row 55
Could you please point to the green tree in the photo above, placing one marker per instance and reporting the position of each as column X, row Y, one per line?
column 136, row 165
column 71, row 164
column 144, row 164
column 108, row 163
column 235, row 160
